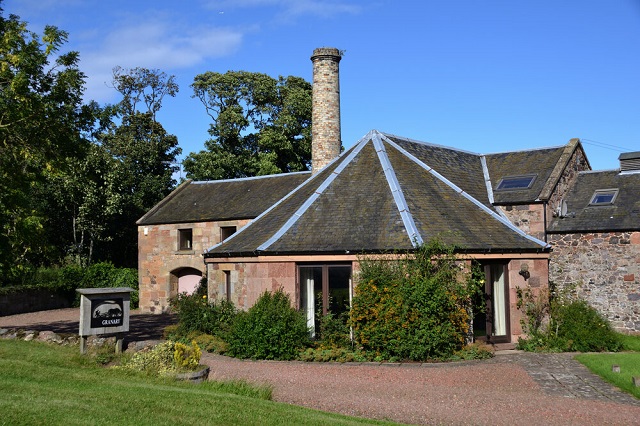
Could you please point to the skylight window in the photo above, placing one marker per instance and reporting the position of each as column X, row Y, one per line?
column 603, row 197
column 516, row 182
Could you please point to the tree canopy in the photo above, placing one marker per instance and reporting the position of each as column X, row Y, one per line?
column 260, row 125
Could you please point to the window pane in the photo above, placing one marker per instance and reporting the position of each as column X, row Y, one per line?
column 339, row 280
column 603, row 197
column 516, row 182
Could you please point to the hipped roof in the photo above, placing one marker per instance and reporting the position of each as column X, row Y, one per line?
column 385, row 193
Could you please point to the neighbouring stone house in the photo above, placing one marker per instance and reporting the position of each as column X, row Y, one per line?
column 596, row 241
column 386, row 193
column 173, row 235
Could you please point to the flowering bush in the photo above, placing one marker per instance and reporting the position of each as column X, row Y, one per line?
column 413, row 308
column 187, row 357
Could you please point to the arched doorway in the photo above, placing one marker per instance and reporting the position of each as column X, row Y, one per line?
column 185, row 280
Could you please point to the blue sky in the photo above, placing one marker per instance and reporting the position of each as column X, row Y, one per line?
column 483, row 76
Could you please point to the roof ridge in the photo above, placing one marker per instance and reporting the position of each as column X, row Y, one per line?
column 275, row 175
column 468, row 196
column 390, row 135
column 556, row 174
column 396, row 191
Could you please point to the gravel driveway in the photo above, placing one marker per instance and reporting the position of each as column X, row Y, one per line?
column 512, row 388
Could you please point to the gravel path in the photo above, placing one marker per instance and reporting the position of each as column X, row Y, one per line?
column 512, row 388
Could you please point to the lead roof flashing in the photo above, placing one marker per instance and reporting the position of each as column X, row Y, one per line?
column 396, row 191
column 457, row 189
column 305, row 206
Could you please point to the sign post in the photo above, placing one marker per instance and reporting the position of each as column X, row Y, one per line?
column 104, row 311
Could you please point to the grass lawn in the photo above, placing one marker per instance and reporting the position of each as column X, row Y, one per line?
column 50, row 384
column 629, row 363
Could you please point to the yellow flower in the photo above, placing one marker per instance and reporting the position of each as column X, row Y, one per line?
column 204, row 297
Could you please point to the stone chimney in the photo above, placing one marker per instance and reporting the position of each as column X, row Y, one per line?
column 325, row 135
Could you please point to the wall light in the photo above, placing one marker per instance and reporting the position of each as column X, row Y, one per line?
column 524, row 271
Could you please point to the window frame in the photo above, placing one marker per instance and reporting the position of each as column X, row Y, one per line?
column 185, row 239
column 532, row 178
column 613, row 192
column 224, row 230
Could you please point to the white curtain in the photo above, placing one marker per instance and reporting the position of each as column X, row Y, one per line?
column 499, row 308
column 306, row 281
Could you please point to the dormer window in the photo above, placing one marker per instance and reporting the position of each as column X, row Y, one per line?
column 516, row 182
column 603, row 197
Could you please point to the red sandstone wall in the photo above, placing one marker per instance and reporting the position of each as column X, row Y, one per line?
column 159, row 257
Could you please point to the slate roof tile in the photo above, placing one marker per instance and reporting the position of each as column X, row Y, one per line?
column 222, row 199
column 622, row 215
column 350, row 206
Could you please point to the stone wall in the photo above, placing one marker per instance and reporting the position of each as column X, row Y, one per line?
column 528, row 217
column 537, row 281
column 248, row 280
column 159, row 260
column 31, row 300
column 605, row 270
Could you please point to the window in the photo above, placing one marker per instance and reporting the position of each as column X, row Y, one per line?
column 516, row 182
column 324, row 289
column 185, row 239
column 227, row 285
column 226, row 232
column 604, row 197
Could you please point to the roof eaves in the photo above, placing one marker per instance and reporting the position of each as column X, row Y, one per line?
column 396, row 191
column 453, row 186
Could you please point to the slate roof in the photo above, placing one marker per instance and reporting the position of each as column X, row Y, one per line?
column 622, row 215
column 218, row 200
column 385, row 193
column 538, row 162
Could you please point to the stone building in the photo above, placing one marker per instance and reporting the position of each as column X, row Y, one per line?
column 306, row 233
column 195, row 216
column 596, row 241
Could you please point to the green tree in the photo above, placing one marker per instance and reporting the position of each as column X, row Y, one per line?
column 42, row 121
column 260, row 125
column 145, row 157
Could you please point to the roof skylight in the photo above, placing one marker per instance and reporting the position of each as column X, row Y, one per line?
column 516, row 182
column 603, row 197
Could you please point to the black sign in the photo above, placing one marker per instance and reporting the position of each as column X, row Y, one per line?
column 107, row 312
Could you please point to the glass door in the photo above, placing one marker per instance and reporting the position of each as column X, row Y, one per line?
column 324, row 289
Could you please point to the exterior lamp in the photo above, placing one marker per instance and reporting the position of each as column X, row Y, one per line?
column 524, row 271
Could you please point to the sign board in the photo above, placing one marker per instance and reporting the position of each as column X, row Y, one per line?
column 104, row 310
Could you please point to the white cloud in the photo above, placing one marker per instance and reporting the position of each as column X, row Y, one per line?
column 291, row 9
column 152, row 44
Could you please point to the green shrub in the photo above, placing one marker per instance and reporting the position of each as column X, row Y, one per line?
column 187, row 357
column 334, row 331
column 270, row 329
column 583, row 329
column 332, row 355
column 157, row 361
column 560, row 324
column 195, row 313
column 477, row 350
column 66, row 279
column 414, row 308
